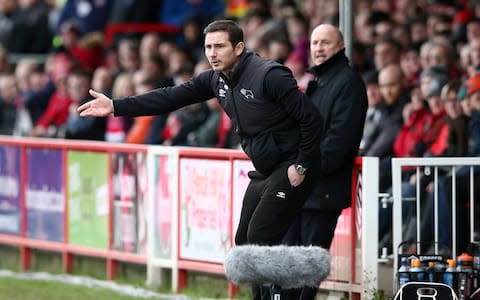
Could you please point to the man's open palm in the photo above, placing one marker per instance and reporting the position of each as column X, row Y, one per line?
column 100, row 106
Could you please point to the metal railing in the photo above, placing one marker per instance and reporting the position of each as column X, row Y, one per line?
column 431, row 166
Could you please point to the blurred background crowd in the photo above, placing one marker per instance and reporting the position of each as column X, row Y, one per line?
column 419, row 60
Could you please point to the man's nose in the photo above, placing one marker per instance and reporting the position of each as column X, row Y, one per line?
column 211, row 53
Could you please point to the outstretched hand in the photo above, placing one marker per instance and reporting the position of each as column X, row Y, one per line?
column 100, row 106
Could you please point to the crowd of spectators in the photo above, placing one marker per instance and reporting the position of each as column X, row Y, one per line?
column 419, row 59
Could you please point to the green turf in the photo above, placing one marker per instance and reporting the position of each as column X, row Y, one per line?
column 199, row 285
column 13, row 289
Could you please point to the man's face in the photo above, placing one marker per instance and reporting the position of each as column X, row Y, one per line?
column 8, row 88
column 435, row 104
column 474, row 46
column 438, row 56
column 221, row 54
column 373, row 95
column 384, row 54
column 324, row 43
column 473, row 31
column 390, row 86
column 77, row 87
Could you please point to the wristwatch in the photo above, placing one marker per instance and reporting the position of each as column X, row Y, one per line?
column 301, row 170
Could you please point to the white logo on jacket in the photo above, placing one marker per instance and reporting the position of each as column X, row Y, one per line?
column 221, row 93
column 247, row 93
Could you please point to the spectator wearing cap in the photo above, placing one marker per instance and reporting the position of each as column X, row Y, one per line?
column 428, row 84
column 435, row 138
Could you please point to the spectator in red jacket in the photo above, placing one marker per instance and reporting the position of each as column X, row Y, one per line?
column 57, row 111
column 415, row 117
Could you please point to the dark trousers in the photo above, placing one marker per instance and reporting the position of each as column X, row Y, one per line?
column 311, row 227
column 269, row 207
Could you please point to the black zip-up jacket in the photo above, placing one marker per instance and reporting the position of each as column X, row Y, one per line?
column 276, row 122
column 340, row 96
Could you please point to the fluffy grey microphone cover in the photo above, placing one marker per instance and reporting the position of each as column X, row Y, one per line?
column 286, row 266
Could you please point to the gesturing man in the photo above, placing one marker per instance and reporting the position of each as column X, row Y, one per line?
column 278, row 126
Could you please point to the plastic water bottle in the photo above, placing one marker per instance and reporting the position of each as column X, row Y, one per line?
column 403, row 272
column 465, row 275
column 431, row 271
column 439, row 270
column 450, row 274
column 417, row 273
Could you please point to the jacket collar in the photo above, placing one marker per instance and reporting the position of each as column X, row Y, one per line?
column 238, row 70
column 335, row 62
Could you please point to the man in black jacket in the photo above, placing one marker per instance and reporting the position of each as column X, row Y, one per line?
column 340, row 96
column 278, row 126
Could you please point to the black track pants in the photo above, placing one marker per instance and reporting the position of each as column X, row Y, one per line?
column 269, row 207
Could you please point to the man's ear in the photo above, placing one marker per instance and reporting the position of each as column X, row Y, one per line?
column 239, row 48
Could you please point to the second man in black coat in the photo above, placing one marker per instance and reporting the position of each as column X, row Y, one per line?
column 339, row 94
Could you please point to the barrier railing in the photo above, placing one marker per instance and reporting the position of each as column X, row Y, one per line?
column 42, row 179
column 444, row 172
column 166, row 207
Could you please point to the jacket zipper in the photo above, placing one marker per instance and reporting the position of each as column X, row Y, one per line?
column 240, row 130
column 235, row 110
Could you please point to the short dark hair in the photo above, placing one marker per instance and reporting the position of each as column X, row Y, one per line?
column 235, row 33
